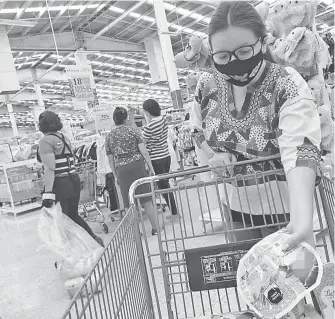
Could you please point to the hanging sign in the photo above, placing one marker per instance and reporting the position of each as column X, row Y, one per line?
column 104, row 117
column 79, row 105
column 80, row 83
column 67, row 130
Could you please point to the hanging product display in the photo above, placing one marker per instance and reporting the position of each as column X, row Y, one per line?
column 80, row 83
column 82, row 87
column 103, row 117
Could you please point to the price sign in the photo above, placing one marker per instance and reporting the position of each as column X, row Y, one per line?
column 80, row 83
column 104, row 118
column 6, row 153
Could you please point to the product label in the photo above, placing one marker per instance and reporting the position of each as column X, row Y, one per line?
column 327, row 296
column 273, row 294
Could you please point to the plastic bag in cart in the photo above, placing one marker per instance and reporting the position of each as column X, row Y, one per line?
column 270, row 281
column 67, row 239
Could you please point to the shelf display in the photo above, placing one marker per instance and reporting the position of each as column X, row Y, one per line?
column 18, row 186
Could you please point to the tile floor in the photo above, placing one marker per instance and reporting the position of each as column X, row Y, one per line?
column 31, row 289
column 29, row 285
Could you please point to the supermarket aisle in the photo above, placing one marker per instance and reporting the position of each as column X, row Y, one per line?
column 29, row 284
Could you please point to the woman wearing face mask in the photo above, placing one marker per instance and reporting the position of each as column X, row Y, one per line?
column 251, row 108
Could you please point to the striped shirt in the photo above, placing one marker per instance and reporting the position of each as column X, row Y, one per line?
column 156, row 134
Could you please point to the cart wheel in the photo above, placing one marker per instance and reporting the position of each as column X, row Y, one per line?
column 104, row 228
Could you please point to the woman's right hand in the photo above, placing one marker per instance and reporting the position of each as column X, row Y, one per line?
column 151, row 171
column 220, row 159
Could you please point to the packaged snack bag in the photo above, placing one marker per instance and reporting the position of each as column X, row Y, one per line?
column 267, row 277
column 325, row 292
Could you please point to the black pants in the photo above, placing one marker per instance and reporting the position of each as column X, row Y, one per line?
column 67, row 191
column 162, row 166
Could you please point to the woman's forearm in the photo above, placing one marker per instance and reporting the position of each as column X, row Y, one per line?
column 111, row 163
column 49, row 178
column 147, row 159
column 301, row 184
column 206, row 148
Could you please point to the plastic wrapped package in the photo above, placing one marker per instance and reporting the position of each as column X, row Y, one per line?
column 270, row 281
column 73, row 285
column 68, row 240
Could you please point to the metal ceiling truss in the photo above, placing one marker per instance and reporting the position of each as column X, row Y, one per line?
column 114, row 73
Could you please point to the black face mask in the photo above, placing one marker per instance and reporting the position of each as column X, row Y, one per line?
column 241, row 73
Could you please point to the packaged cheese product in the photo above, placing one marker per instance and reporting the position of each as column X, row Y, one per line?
column 268, row 280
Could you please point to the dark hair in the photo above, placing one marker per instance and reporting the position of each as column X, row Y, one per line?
column 239, row 14
column 49, row 122
column 187, row 116
column 120, row 115
column 152, row 107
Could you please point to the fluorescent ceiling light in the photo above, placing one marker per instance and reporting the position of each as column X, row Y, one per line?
column 19, row 23
column 328, row 2
column 51, row 8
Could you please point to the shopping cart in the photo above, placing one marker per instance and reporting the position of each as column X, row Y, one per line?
column 164, row 270
column 88, row 195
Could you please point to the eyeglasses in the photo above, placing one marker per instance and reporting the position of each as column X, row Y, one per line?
column 242, row 53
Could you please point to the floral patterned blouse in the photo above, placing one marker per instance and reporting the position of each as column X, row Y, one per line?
column 278, row 117
column 122, row 142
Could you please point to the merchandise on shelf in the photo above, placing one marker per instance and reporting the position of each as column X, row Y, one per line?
column 17, row 184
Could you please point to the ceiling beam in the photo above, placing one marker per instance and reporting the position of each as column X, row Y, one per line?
column 177, row 21
column 133, row 24
column 20, row 12
column 66, row 43
column 119, row 19
column 39, row 16
column 153, row 24
column 97, row 13
column 30, row 96
column 75, row 17
column 26, row 75
column 19, row 23
column 56, row 18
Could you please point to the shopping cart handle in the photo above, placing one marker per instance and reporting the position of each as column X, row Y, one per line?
column 189, row 171
column 203, row 169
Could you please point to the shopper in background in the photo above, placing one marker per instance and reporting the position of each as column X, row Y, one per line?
column 155, row 135
column 61, row 182
column 127, row 156
column 252, row 108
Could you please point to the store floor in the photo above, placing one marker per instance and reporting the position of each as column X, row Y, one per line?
column 31, row 289
column 29, row 284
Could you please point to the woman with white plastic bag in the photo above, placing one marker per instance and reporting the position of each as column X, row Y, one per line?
column 61, row 182
column 77, row 249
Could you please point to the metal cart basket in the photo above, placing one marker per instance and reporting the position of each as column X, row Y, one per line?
column 165, row 273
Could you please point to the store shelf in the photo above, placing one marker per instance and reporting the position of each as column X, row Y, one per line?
column 21, row 208
column 18, row 164
column 15, row 199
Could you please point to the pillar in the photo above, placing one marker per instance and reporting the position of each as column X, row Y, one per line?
column 9, row 83
column 40, row 107
column 12, row 119
column 167, row 52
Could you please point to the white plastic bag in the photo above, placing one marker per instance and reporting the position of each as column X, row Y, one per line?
column 67, row 239
column 267, row 277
